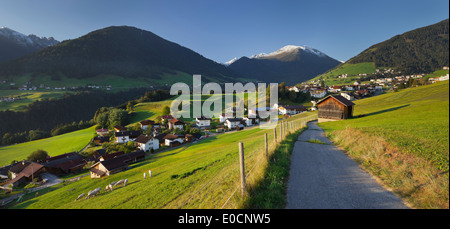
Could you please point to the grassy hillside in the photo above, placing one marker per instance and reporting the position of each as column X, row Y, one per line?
column 199, row 175
column 27, row 97
column 56, row 145
column 352, row 70
column 412, row 123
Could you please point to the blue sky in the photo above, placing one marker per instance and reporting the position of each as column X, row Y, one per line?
column 222, row 30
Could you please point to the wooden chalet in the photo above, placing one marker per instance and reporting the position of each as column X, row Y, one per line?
column 334, row 107
column 65, row 163
column 116, row 164
column 24, row 172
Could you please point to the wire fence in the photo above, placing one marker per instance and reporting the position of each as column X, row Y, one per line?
column 222, row 187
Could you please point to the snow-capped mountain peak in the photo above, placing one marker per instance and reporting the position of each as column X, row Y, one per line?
column 24, row 40
column 288, row 49
column 231, row 61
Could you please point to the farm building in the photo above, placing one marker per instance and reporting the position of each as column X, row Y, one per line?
column 334, row 107
column 231, row 123
column 116, row 164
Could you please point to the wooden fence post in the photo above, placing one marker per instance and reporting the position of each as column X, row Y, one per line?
column 275, row 134
column 241, row 162
column 266, row 145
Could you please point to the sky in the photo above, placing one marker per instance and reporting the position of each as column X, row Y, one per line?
column 222, row 30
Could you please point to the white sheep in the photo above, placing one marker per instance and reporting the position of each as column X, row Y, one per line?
column 81, row 195
column 125, row 182
column 118, row 183
column 109, row 187
column 145, row 176
column 150, row 173
column 93, row 193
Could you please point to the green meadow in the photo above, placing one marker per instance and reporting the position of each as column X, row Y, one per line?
column 65, row 143
column 403, row 140
column 27, row 97
column 196, row 175
column 352, row 70
column 416, row 120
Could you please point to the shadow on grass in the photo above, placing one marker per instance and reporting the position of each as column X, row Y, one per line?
column 386, row 110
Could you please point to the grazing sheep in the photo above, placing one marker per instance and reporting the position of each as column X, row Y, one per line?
column 118, row 183
column 109, row 187
column 145, row 175
column 125, row 182
column 150, row 173
column 93, row 193
column 81, row 195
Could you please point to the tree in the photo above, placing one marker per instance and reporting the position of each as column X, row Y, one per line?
column 166, row 110
column 38, row 155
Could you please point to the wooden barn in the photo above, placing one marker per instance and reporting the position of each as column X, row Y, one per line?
column 334, row 107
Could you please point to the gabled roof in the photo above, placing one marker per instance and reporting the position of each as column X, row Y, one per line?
column 233, row 119
column 147, row 122
column 340, row 99
column 143, row 139
column 202, row 118
column 173, row 136
column 175, row 121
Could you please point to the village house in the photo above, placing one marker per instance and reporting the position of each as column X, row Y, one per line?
column 334, row 107
column 225, row 116
column 24, row 172
column 65, row 163
column 173, row 140
column 102, row 131
column 231, row 123
column 166, row 117
column 291, row 110
column 348, row 96
column 146, row 123
column 107, row 156
column 119, row 128
column 334, row 89
column 318, row 93
column 176, row 124
column 251, row 121
column 203, row 122
column 126, row 136
column 116, row 164
column 146, row 143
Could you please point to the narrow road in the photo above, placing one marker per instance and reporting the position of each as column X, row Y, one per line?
column 323, row 177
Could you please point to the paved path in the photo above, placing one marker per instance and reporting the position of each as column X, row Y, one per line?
column 323, row 177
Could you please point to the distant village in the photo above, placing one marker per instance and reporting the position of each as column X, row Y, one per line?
column 359, row 90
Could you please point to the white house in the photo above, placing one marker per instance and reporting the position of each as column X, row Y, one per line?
column 347, row 96
column 291, row 110
column 232, row 122
column 251, row 121
column 176, row 124
column 224, row 117
column 318, row 93
column 173, row 139
column 146, row 123
column 146, row 143
column 203, row 121
column 122, row 137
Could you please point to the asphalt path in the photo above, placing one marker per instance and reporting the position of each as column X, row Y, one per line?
column 323, row 177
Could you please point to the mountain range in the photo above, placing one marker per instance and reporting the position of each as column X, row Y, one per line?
column 420, row 50
column 14, row 44
column 122, row 51
column 290, row 64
